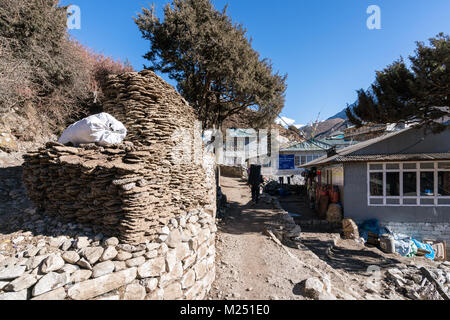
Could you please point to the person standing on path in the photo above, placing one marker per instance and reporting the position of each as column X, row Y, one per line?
column 254, row 180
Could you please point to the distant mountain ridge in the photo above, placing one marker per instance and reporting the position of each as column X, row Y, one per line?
column 325, row 128
column 342, row 114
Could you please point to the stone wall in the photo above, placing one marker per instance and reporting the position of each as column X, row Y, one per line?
column 421, row 231
column 232, row 172
column 178, row 266
column 156, row 188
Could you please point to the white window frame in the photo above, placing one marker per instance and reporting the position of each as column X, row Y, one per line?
column 301, row 160
column 400, row 198
column 298, row 161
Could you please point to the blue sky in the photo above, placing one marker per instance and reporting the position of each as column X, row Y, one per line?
column 324, row 46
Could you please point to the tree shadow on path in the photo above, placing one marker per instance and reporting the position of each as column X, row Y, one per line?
column 348, row 259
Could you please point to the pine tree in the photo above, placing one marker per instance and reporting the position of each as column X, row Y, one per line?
column 216, row 69
column 419, row 94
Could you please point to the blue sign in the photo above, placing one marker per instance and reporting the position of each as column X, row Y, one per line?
column 287, row 162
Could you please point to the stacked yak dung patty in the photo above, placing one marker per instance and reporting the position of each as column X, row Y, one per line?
column 151, row 109
column 131, row 190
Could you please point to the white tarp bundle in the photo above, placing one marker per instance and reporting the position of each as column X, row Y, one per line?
column 100, row 128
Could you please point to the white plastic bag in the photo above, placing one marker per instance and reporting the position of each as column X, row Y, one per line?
column 101, row 128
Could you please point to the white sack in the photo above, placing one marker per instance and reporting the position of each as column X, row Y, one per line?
column 101, row 128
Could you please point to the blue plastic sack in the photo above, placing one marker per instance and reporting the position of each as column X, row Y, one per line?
column 373, row 226
column 370, row 225
column 364, row 234
column 427, row 247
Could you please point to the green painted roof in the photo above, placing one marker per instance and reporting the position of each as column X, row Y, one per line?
column 319, row 145
column 309, row 145
column 339, row 142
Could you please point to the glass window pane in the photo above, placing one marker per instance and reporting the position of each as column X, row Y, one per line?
column 309, row 158
column 410, row 201
column 376, row 184
column 392, row 166
column 444, row 183
column 392, row 201
column 427, row 165
column 444, row 165
column 376, row 201
column 303, row 159
column 409, row 184
column 376, row 167
column 444, row 202
column 297, row 161
column 392, row 183
column 427, row 184
column 409, row 166
column 427, row 201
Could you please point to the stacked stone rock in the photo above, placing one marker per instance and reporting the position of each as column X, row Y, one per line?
column 287, row 228
column 137, row 190
column 179, row 266
column 412, row 282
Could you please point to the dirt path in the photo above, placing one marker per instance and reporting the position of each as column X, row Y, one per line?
column 252, row 266
column 249, row 264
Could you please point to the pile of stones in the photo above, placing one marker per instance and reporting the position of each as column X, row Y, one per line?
column 286, row 229
column 221, row 204
column 180, row 265
column 350, row 229
column 411, row 282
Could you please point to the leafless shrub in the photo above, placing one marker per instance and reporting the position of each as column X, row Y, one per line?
column 44, row 74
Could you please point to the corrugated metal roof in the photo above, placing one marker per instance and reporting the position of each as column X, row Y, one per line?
column 339, row 142
column 346, row 151
column 394, row 157
column 309, row 145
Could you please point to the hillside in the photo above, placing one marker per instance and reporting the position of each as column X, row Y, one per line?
column 325, row 128
column 47, row 79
